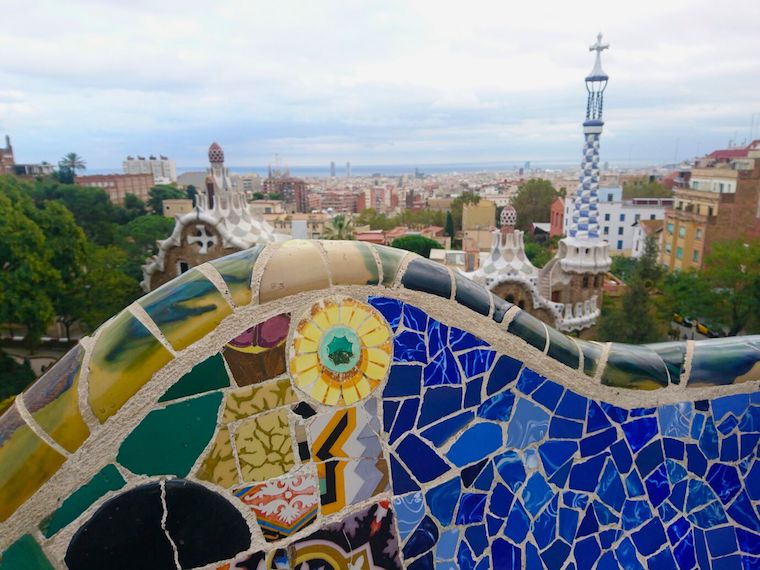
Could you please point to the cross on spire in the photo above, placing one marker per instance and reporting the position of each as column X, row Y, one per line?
column 598, row 47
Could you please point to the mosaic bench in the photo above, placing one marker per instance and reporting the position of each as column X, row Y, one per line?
column 340, row 405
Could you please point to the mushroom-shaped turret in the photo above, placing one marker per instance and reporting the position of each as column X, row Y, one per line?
column 596, row 83
column 508, row 217
column 215, row 154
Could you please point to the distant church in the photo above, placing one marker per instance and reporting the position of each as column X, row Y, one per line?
column 567, row 292
column 220, row 224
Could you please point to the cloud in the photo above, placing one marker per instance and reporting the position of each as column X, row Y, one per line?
column 397, row 81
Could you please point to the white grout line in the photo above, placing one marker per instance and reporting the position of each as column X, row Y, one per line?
column 688, row 359
column 36, row 428
column 210, row 273
column 164, row 515
column 137, row 311
column 602, row 363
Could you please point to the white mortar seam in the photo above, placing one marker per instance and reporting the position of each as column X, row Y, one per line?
column 210, row 273
column 99, row 450
column 259, row 268
column 509, row 316
column 602, row 362
column 164, row 516
column 453, row 295
column 548, row 342
column 83, row 394
column 141, row 315
column 36, row 428
column 378, row 263
column 582, row 357
column 688, row 359
column 323, row 254
column 401, row 271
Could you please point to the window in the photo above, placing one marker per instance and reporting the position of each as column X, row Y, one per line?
column 637, row 217
column 585, row 280
column 620, row 231
column 620, row 244
column 699, row 234
column 670, row 229
column 710, row 211
column 695, row 255
column 609, row 197
column 622, row 217
column 606, row 217
column 668, row 248
column 682, row 231
column 652, row 217
column 182, row 267
column 606, row 230
column 679, row 253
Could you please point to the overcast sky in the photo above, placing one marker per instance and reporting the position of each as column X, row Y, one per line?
column 373, row 82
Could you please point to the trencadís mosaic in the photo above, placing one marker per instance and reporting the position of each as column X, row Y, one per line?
column 374, row 413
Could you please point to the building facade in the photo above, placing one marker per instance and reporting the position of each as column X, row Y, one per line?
column 7, row 161
column 163, row 169
column 220, row 224
column 119, row 185
column 292, row 190
column 721, row 203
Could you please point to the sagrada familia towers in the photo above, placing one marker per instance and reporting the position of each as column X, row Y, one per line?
column 567, row 292
column 220, row 224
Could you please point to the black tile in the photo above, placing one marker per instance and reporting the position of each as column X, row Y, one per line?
column 472, row 295
column 204, row 525
column 636, row 367
column 563, row 349
column 427, row 276
column 673, row 355
column 528, row 328
column 500, row 308
column 125, row 532
column 592, row 352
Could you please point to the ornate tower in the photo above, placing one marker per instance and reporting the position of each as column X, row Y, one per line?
column 574, row 279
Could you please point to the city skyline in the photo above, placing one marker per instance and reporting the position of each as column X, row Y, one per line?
column 405, row 83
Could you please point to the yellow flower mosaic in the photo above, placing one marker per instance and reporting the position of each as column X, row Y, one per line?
column 340, row 352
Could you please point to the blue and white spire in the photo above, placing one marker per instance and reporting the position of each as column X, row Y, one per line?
column 585, row 220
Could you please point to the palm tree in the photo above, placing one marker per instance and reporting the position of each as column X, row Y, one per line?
column 72, row 162
column 340, row 227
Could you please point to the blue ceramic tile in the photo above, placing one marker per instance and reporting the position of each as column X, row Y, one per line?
column 494, row 524
column 721, row 541
column 447, row 544
column 684, row 553
column 635, row 513
column 511, row 469
column 584, row 476
column 595, row 444
column 402, row 481
column 568, row 524
column 617, row 415
column 438, row 403
column 505, row 555
column 472, row 392
column 465, row 559
column 389, row 308
column 422, row 539
column 485, row 479
column 471, row 508
column 409, row 511
column 572, row 406
column 476, row 361
column 575, row 500
column 442, row 370
column 404, row 419
column 498, row 407
column 529, row 381
column 442, row 431
column 696, row 462
column 442, row 500
column 610, row 489
column 586, row 553
column 554, row 454
column 724, row 480
column 424, row 562
column 437, row 334
column 748, row 541
column 469, row 474
column 548, row 394
column 649, row 458
column 663, row 559
column 403, row 380
column 708, row 441
column 622, row 456
column 650, row 538
column 545, row 525
column 529, row 424
column 475, row 443
column 674, row 448
column 657, row 485
column 415, row 319
column 678, row 529
column 608, row 562
column 596, row 419
column 500, row 501
column 422, row 461
column 589, row 523
column 476, row 536
column 536, row 494
column 504, row 371
column 409, row 346
column 626, row 555
column 518, row 523
column 462, row 340
column 729, row 448
column 736, row 405
column 742, row 511
column 639, row 432
column 556, row 554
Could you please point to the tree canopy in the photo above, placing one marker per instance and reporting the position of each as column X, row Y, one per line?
column 533, row 202
column 416, row 243
column 340, row 227
column 162, row 192
column 644, row 188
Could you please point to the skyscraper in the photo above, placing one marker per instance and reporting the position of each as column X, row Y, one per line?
column 348, row 170
column 332, row 169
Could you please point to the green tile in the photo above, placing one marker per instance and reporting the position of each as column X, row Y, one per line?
column 673, row 355
column 563, row 349
column 634, row 367
column 236, row 270
column 108, row 479
column 24, row 554
column 168, row 441
column 592, row 352
column 391, row 260
column 528, row 328
column 204, row 377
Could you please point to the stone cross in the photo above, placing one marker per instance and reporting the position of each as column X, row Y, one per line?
column 203, row 238
column 599, row 46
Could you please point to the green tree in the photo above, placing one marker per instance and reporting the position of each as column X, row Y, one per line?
column 14, row 377
column 449, row 228
column 533, row 202
column 72, row 162
column 27, row 273
column 644, row 188
column 416, row 243
column 634, row 319
column 138, row 240
column 340, row 227
column 162, row 192
column 133, row 206
column 191, row 192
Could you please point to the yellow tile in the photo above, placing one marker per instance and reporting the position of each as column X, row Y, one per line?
column 295, row 267
column 257, row 398
column 124, row 359
column 27, row 462
column 186, row 309
column 264, row 446
column 219, row 465
column 351, row 263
